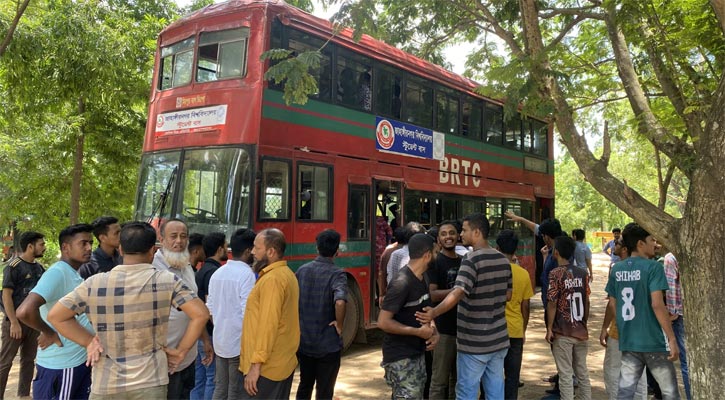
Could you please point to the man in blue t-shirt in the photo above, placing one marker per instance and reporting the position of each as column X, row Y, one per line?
column 61, row 363
column 636, row 289
column 608, row 248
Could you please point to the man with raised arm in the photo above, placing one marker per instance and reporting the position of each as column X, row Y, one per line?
column 129, row 309
column 271, row 327
column 62, row 372
column 482, row 288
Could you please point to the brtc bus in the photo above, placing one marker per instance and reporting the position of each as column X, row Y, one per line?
column 387, row 136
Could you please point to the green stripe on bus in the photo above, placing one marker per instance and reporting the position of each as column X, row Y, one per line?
column 350, row 119
column 342, row 262
column 302, row 249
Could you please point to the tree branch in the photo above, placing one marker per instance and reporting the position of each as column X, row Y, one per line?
column 585, row 12
column 13, row 25
column 606, row 146
column 565, row 31
column 676, row 149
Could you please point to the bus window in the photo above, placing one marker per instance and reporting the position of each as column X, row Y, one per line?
column 176, row 64
column 493, row 124
column 314, row 192
column 469, row 207
column 524, row 209
column 472, row 118
column 222, row 54
column 388, row 87
column 418, row 103
column 527, row 135
column 155, row 189
column 417, row 209
column 274, row 198
column 513, row 132
column 215, row 190
column 358, row 214
column 300, row 42
column 447, row 112
column 540, row 135
column 494, row 213
column 354, row 80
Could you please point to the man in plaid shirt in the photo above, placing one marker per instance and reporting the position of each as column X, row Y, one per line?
column 129, row 309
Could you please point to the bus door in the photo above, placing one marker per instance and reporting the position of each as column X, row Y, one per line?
column 387, row 213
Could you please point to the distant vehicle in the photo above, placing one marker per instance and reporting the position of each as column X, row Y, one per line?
column 223, row 151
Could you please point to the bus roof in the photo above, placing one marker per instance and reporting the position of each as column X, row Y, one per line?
column 369, row 46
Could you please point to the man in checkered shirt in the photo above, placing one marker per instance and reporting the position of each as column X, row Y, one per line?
column 129, row 309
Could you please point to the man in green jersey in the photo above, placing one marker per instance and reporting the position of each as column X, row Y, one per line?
column 635, row 290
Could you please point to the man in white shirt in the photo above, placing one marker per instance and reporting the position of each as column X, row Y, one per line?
column 229, row 289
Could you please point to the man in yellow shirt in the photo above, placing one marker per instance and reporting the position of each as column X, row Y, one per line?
column 517, row 313
column 271, row 327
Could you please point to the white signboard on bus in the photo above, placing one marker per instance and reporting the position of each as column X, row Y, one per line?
column 192, row 120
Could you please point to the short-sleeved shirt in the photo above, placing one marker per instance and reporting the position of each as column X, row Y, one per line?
column 632, row 282
column 129, row 308
column 321, row 285
column 21, row 276
column 674, row 293
column 549, row 265
column 569, row 288
column 202, row 277
column 100, row 262
column 521, row 291
column 406, row 295
column 484, row 277
column 58, row 281
column 229, row 289
column 582, row 253
column 398, row 260
column 444, row 275
column 612, row 257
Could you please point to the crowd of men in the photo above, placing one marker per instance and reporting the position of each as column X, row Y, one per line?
column 130, row 321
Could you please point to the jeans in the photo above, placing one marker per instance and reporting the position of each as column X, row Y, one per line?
column 678, row 326
column 657, row 363
column 570, row 355
column 611, row 368
column 443, row 379
column 512, row 368
column 319, row 372
column 228, row 381
column 474, row 369
column 204, row 377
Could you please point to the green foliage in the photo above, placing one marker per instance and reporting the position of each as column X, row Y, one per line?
column 75, row 68
column 293, row 72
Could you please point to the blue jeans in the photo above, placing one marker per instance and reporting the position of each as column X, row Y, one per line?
column 678, row 326
column 474, row 369
column 204, row 377
column 657, row 363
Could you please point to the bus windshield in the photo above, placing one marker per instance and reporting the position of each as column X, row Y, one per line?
column 207, row 188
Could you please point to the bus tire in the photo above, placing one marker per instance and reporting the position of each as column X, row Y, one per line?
column 353, row 314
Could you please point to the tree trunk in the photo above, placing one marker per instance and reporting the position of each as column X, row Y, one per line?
column 701, row 258
column 75, row 189
column 13, row 25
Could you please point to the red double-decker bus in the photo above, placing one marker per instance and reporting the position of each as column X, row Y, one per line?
column 387, row 136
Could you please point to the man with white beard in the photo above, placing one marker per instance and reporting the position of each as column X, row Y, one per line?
column 173, row 256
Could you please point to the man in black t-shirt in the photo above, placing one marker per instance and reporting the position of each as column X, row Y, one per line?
column 442, row 279
column 19, row 278
column 406, row 340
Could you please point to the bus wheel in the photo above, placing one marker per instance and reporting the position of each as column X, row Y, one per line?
column 353, row 314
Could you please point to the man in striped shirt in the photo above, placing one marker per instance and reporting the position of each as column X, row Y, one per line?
column 482, row 288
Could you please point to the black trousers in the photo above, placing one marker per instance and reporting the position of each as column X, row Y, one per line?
column 268, row 389
column 181, row 383
column 512, row 368
column 322, row 370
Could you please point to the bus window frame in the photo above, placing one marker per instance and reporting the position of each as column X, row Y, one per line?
column 174, row 55
column 245, row 53
column 330, row 188
column 261, row 192
column 353, row 188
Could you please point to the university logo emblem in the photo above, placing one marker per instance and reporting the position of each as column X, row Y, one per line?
column 385, row 134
